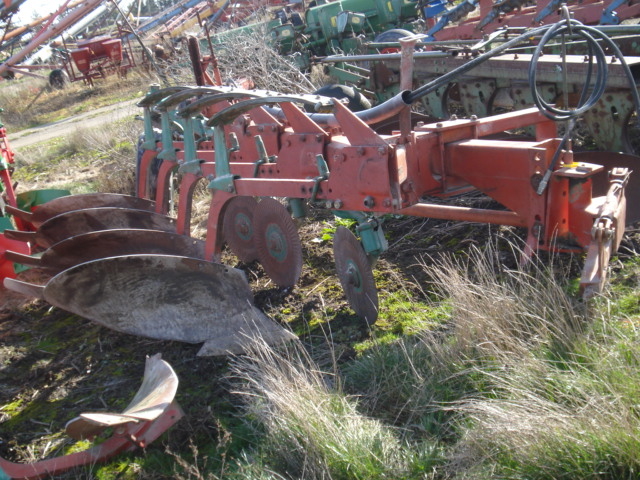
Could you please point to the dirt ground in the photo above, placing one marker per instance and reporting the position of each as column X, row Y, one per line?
column 87, row 120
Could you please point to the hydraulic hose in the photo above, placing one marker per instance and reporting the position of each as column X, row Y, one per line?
column 591, row 36
column 596, row 57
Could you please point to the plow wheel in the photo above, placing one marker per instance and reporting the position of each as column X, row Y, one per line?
column 238, row 228
column 355, row 274
column 278, row 243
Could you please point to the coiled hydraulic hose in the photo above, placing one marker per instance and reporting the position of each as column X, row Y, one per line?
column 596, row 57
column 592, row 37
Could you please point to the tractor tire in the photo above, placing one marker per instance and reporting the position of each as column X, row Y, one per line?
column 357, row 101
column 58, row 79
column 392, row 35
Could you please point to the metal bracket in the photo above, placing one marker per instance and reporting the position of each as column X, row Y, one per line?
column 262, row 153
column 370, row 231
column 323, row 170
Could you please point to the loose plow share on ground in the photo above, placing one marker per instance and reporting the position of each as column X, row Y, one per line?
column 152, row 411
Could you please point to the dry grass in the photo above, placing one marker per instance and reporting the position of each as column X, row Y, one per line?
column 500, row 311
column 251, row 57
column 87, row 160
column 313, row 431
column 28, row 102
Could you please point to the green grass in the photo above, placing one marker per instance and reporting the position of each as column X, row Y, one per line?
column 518, row 383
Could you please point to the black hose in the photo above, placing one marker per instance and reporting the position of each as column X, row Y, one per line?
column 447, row 77
column 592, row 37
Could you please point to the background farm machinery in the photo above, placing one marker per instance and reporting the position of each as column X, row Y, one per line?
column 129, row 264
column 357, row 43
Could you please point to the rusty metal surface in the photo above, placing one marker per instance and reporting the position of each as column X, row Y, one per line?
column 78, row 202
column 510, row 67
column 238, row 229
column 87, row 220
column 278, row 243
column 112, row 243
column 90, row 200
column 167, row 298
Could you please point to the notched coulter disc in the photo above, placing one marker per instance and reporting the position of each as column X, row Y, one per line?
column 238, row 229
column 355, row 274
column 278, row 243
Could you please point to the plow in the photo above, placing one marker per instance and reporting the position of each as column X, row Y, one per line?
column 131, row 264
column 150, row 413
column 126, row 263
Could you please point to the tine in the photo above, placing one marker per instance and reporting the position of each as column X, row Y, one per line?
column 19, row 213
column 85, row 201
column 20, row 236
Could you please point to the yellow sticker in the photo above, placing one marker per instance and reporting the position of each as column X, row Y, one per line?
column 333, row 21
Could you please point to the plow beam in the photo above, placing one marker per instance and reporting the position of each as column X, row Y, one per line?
column 151, row 412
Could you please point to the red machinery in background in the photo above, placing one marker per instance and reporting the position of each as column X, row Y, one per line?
column 98, row 57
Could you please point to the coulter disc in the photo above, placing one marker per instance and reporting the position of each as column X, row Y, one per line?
column 278, row 243
column 238, row 228
column 355, row 274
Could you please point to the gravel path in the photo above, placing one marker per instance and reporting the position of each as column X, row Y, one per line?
column 92, row 119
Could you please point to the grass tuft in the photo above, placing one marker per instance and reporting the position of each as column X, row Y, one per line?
column 313, row 430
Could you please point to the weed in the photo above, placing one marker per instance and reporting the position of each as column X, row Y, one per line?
column 311, row 430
